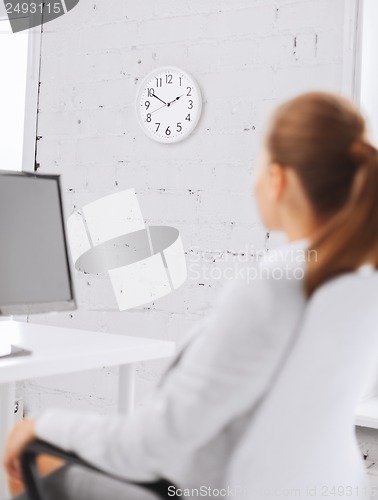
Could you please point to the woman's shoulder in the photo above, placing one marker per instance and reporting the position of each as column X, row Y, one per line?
column 257, row 308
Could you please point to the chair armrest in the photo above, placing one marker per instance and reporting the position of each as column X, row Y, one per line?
column 34, row 485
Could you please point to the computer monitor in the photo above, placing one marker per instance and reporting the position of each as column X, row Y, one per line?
column 35, row 273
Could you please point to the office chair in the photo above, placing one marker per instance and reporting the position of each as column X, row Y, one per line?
column 306, row 422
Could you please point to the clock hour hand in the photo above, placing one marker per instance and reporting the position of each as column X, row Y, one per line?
column 174, row 100
column 154, row 95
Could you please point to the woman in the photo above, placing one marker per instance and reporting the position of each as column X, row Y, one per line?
column 318, row 183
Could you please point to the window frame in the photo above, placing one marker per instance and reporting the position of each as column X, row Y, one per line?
column 352, row 49
column 31, row 97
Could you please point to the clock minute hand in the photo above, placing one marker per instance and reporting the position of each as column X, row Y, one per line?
column 154, row 95
column 174, row 100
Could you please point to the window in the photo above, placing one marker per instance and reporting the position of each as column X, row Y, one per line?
column 19, row 60
column 366, row 83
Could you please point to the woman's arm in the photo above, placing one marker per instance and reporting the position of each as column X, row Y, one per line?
column 221, row 374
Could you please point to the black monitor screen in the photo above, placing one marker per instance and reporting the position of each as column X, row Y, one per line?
column 34, row 267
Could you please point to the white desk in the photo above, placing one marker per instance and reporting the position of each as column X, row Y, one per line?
column 367, row 413
column 57, row 351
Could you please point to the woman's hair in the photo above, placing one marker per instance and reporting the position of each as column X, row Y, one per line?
column 322, row 137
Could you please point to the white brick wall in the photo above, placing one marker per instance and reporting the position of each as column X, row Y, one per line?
column 247, row 55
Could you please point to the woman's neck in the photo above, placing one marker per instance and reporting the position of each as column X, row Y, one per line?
column 302, row 227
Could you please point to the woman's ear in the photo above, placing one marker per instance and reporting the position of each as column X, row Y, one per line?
column 277, row 180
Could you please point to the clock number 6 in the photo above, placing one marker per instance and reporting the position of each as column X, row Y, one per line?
column 167, row 131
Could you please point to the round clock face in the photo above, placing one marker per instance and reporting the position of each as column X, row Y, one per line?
column 168, row 104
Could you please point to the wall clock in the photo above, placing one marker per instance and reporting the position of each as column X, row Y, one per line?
column 168, row 104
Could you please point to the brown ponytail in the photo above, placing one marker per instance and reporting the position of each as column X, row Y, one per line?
column 322, row 137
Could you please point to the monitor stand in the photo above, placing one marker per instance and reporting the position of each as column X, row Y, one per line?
column 11, row 351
